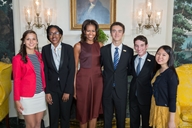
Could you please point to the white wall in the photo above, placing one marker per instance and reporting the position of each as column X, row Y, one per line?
column 125, row 10
column 125, row 13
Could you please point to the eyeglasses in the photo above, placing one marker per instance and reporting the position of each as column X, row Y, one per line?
column 55, row 33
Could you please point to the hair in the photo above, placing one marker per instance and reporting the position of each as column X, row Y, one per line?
column 119, row 24
column 84, row 28
column 141, row 38
column 54, row 26
column 22, row 50
column 170, row 61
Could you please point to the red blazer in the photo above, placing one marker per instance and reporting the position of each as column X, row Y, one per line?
column 24, row 76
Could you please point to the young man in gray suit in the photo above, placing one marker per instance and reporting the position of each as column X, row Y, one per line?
column 116, row 61
column 140, row 87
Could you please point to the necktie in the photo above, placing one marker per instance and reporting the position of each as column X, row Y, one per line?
column 116, row 58
column 57, row 57
column 138, row 67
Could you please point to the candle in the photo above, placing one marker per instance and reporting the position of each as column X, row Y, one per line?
column 28, row 14
column 37, row 6
column 140, row 16
column 149, row 6
column 48, row 15
column 158, row 17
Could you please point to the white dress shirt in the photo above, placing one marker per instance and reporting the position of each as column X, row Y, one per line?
column 113, row 50
column 143, row 58
column 56, row 52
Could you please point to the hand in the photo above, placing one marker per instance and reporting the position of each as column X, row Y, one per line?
column 49, row 99
column 171, row 124
column 19, row 107
column 65, row 97
column 75, row 95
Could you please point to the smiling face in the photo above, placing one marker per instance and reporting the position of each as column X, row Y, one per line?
column 54, row 36
column 30, row 42
column 117, row 34
column 90, row 33
column 162, row 57
column 140, row 47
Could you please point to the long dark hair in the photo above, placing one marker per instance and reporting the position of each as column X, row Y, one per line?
column 84, row 28
column 170, row 61
column 22, row 50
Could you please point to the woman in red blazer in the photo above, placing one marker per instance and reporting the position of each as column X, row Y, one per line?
column 29, row 81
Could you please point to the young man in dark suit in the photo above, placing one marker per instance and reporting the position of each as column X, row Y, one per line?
column 116, row 62
column 140, row 87
column 59, row 70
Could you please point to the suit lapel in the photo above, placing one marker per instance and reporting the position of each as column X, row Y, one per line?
column 146, row 63
column 133, row 63
column 62, row 55
column 50, row 54
column 109, row 52
column 123, row 55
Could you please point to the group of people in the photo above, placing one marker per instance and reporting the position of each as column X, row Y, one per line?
column 97, row 77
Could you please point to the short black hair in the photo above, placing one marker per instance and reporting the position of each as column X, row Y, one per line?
column 119, row 24
column 141, row 38
column 54, row 26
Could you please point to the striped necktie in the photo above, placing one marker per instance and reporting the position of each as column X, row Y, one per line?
column 116, row 58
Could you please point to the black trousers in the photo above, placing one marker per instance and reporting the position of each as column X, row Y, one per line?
column 59, row 109
column 136, row 111
column 112, row 104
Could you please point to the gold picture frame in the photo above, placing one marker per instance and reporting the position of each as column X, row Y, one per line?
column 105, row 14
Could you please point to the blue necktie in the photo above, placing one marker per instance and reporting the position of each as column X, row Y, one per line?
column 116, row 58
column 138, row 67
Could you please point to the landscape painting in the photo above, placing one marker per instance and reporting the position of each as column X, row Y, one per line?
column 7, row 49
column 182, row 32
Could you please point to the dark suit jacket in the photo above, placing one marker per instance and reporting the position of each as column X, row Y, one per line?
column 142, row 82
column 118, row 76
column 66, row 69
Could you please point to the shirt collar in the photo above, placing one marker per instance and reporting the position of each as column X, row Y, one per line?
column 119, row 47
column 58, row 46
column 143, row 57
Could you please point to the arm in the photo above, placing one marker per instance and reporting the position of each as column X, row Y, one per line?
column 129, row 63
column 17, row 82
column 70, row 79
column 48, row 95
column 172, row 90
column 17, row 77
column 45, row 70
column 71, row 71
column 100, row 44
column 77, row 49
column 171, row 123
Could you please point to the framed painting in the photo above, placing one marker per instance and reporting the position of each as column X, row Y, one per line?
column 182, row 32
column 102, row 11
column 7, row 47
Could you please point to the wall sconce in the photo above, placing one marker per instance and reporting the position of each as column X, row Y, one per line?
column 149, row 21
column 37, row 19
